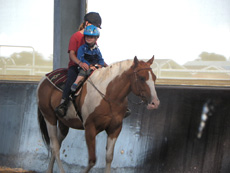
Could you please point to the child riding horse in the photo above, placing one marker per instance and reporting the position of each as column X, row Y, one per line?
column 109, row 88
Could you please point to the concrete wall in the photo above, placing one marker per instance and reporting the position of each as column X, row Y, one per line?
column 163, row 140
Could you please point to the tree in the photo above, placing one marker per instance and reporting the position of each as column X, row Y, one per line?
column 26, row 58
column 205, row 56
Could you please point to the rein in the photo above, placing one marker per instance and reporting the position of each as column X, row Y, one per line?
column 102, row 95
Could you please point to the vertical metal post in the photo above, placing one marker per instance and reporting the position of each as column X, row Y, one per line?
column 67, row 18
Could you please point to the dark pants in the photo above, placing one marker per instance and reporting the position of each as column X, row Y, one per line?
column 71, row 77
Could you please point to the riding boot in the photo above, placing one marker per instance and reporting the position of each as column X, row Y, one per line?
column 62, row 108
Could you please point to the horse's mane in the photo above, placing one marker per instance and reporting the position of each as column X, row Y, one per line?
column 112, row 70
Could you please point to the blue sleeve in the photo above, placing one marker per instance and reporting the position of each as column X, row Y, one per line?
column 100, row 59
column 81, row 53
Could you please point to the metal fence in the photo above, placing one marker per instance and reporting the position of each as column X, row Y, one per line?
column 217, row 73
column 14, row 69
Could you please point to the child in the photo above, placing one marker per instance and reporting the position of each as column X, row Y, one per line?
column 88, row 53
column 76, row 40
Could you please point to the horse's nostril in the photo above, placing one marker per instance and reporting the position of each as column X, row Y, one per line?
column 153, row 103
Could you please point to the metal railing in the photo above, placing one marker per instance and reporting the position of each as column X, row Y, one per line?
column 17, row 69
column 189, row 73
column 161, row 73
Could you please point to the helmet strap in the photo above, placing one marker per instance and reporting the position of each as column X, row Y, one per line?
column 91, row 45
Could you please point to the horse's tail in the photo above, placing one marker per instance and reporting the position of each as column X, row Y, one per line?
column 43, row 128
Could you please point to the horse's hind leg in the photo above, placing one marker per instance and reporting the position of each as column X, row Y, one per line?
column 55, row 137
column 61, row 134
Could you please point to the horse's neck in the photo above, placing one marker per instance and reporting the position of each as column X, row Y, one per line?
column 119, row 88
column 113, row 81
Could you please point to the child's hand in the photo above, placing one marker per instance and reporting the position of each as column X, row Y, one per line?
column 93, row 68
column 84, row 66
column 99, row 66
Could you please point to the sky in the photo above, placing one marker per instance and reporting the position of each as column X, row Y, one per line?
column 26, row 23
column 180, row 30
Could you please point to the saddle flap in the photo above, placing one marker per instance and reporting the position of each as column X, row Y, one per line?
column 58, row 78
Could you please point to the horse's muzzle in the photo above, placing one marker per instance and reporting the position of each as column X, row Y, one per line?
column 154, row 104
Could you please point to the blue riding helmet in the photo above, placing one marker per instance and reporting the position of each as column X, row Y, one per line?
column 92, row 30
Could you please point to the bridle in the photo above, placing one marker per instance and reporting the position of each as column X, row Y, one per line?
column 136, row 71
column 137, row 86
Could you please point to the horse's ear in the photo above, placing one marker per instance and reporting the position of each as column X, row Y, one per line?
column 135, row 62
column 151, row 60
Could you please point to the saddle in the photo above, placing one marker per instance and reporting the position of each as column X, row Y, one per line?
column 58, row 78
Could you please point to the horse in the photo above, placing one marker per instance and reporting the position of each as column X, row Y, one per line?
column 101, row 104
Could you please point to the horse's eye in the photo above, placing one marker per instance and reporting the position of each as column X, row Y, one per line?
column 142, row 79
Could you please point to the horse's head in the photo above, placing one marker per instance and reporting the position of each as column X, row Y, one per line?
column 143, row 82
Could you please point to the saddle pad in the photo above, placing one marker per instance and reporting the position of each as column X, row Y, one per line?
column 58, row 77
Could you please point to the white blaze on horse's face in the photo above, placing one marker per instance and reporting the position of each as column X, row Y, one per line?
column 154, row 103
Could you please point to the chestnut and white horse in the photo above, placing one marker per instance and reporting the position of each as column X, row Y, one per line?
column 102, row 104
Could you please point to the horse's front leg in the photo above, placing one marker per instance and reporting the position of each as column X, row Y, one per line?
column 90, row 136
column 111, row 140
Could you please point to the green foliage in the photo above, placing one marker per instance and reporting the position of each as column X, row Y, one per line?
column 205, row 56
column 22, row 64
column 26, row 58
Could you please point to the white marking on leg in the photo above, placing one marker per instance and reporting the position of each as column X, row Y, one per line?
column 109, row 153
column 51, row 164
column 61, row 137
column 90, row 165
column 55, row 146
